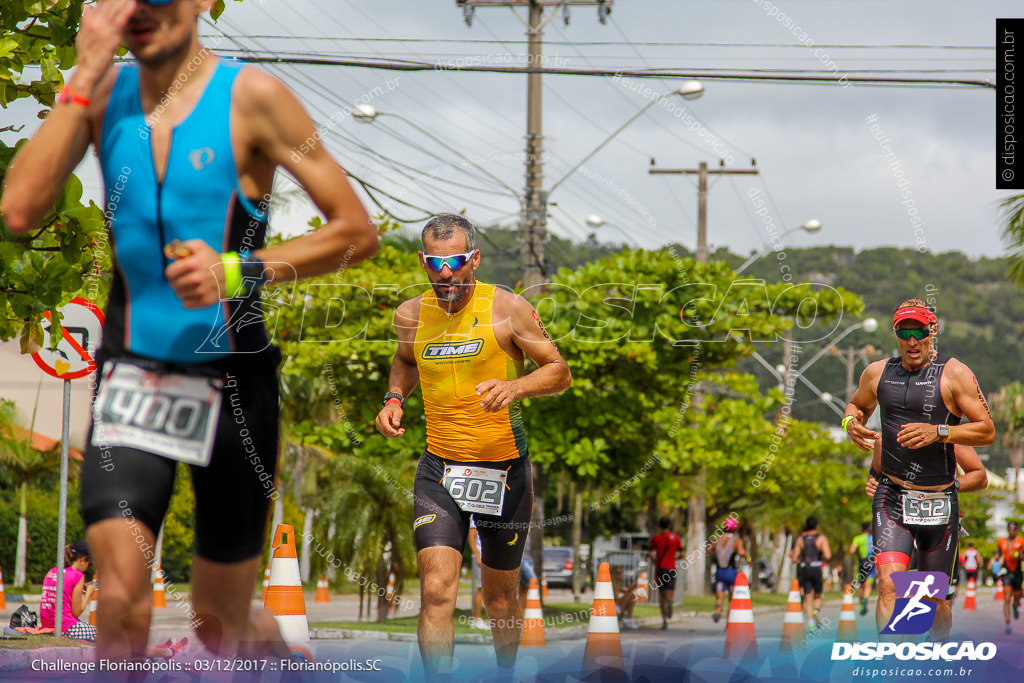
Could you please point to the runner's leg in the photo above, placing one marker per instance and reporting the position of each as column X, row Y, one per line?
column 504, row 611
column 439, row 588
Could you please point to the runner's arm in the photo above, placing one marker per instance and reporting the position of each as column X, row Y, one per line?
column 966, row 395
column 861, row 405
column 277, row 126
column 43, row 165
column 798, row 546
column 826, row 550
column 405, row 375
column 552, row 375
column 974, row 478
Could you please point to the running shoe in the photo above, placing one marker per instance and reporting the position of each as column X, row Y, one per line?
column 716, row 616
column 630, row 624
column 480, row 624
column 670, row 610
column 664, row 626
column 178, row 648
column 1016, row 612
column 1008, row 629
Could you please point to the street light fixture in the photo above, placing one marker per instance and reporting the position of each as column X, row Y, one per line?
column 595, row 221
column 689, row 90
column 812, row 226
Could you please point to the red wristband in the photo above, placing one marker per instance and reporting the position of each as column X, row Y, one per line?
column 69, row 96
column 392, row 400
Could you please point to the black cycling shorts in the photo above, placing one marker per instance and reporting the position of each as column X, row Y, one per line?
column 666, row 579
column 810, row 579
column 439, row 521
column 937, row 544
column 232, row 494
column 1013, row 580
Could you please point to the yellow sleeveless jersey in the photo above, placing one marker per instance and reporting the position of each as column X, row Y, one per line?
column 454, row 353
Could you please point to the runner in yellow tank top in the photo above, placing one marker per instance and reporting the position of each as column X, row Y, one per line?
column 465, row 342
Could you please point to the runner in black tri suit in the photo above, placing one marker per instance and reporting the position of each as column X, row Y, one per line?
column 923, row 396
column 811, row 552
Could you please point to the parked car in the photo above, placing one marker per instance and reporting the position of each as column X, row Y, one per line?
column 558, row 565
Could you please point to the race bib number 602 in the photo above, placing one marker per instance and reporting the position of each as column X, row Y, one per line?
column 476, row 489
column 174, row 416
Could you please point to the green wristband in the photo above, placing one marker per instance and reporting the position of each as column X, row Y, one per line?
column 232, row 274
column 846, row 421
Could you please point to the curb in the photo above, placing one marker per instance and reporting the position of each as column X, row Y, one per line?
column 58, row 657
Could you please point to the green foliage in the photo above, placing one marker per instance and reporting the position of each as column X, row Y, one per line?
column 42, row 529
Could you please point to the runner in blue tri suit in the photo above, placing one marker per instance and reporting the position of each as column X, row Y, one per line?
column 188, row 144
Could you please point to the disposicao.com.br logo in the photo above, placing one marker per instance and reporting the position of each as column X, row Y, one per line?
column 917, row 594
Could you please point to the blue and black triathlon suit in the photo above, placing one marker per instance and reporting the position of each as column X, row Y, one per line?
column 225, row 345
column 904, row 517
column 808, row 572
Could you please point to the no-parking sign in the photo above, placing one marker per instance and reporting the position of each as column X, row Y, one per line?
column 74, row 356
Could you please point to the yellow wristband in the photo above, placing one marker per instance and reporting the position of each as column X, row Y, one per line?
column 232, row 275
column 846, row 421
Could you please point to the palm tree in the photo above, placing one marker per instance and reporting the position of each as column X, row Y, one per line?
column 1008, row 414
column 26, row 464
column 1012, row 209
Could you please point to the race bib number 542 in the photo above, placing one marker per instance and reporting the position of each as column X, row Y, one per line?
column 174, row 416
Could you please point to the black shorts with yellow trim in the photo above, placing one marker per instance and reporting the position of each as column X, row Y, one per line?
column 439, row 521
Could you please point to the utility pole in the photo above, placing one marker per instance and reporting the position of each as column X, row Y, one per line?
column 697, row 506
column 534, row 207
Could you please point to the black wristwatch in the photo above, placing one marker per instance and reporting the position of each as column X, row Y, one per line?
column 956, row 483
column 393, row 394
column 253, row 271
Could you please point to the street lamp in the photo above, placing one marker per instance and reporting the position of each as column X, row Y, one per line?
column 689, row 90
column 868, row 325
column 811, row 226
column 595, row 221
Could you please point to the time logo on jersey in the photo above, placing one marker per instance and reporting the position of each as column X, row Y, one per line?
column 464, row 349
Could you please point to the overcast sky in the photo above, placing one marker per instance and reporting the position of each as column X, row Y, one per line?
column 816, row 151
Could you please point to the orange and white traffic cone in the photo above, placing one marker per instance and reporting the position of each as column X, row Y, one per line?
column 970, row 601
column 543, row 586
column 266, row 582
column 999, row 590
column 740, row 637
column 92, row 603
column 159, row 599
column 322, row 592
column 284, row 594
column 391, row 591
column 3, row 598
column 847, row 632
column 793, row 634
column 533, row 619
column 603, row 652
column 642, row 583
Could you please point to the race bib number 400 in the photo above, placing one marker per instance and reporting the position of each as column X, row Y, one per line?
column 926, row 508
column 174, row 416
column 476, row 489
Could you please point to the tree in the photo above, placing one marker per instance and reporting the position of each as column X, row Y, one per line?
column 1012, row 209
column 26, row 465
column 1008, row 413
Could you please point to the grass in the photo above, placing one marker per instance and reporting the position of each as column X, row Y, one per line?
column 40, row 641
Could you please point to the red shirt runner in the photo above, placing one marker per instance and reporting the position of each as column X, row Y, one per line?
column 666, row 545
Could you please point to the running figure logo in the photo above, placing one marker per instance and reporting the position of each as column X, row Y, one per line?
column 914, row 613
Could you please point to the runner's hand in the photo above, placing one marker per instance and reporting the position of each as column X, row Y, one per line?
column 917, row 434
column 197, row 279
column 497, row 394
column 871, row 486
column 389, row 420
column 861, row 435
column 99, row 36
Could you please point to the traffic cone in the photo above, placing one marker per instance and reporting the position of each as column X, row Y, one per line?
column 3, row 598
column 641, row 586
column 543, row 586
column 391, row 591
column 159, row 599
column 284, row 594
column 603, row 652
column 92, row 603
column 969, row 601
column 999, row 590
column 322, row 593
column 266, row 582
column 533, row 619
column 847, row 632
column 793, row 624
column 740, row 638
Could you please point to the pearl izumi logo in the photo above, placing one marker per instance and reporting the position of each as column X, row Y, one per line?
column 917, row 594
